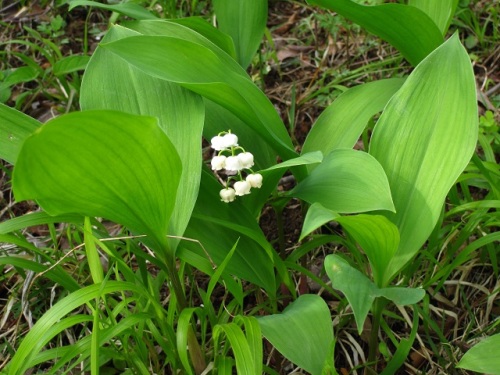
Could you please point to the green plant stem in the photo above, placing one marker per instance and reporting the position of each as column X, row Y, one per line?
column 378, row 307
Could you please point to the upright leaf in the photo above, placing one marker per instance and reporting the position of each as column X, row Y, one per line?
column 15, row 127
column 441, row 12
column 303, row 333
column 424, row 139
column 111, row 83
column 102, row 163
column 407, row 28
column 341, row 124
column 245, row 22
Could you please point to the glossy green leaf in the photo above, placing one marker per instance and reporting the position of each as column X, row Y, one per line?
column 424, row 139
column 303, row 333
column 245, row 22
column 102, row 163
column 211, row 74
column 341, row 124
column 112, row 83
column 128, row 9
column 483, row 357
column 361, row 291
column 377, row 236
column 347, row 181
column 316, row 216
column 407, row 28
column 441, row 12
column 15, row 127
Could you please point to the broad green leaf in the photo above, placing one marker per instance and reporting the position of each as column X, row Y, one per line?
column 303, row 333
column 21, row 74
column 483, row 357
column 211, row 74
column 361, row 291
column 424, row 140
column 70, row 64
column 39, row 334
column 341, row 124
column 347, row 181
column 111, row 83
column 377, row 236
column 15, row 127
column 357, row 288
column 407, row 28
column 316, row 216
column 441, row 12
column 193, row 29
column 128, row 9
column 102, row 163
column 402, row 296
column 245, row 22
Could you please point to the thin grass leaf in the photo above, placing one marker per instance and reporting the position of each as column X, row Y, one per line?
column 93, row 258
column 41, row 332
column 37, row 218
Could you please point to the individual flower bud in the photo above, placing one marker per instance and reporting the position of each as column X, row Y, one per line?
column 218, row 162
column 255, row 180
column 246, row 159
column 230, row 140
column 227, row 195
column 233, row 163
column 242, row 188
column 217, row 143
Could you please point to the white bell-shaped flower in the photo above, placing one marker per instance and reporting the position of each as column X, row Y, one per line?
column 217, row 143
column 227, row 195
column 218, row 162
column 233, row 163
column 242, row 188
column 229, row 140
column 255, row 180
column 246, row 159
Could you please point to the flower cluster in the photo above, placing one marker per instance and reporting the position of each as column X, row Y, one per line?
column 234, row 159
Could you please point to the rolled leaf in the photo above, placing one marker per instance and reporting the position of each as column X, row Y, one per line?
column 245, row 22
